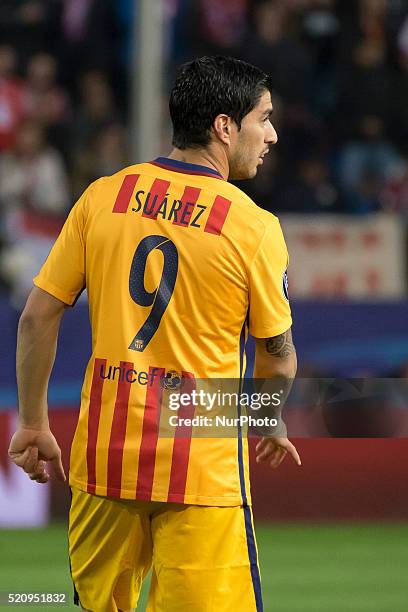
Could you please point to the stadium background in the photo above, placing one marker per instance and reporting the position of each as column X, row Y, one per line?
column 83, row 93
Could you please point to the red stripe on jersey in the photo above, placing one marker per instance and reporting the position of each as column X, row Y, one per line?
column 94, row 413
column 181, row 447
column 125, row 193
column 150, row 432
column 157, row 194
column 118, row 433
column 217, row 216
column 190, row 196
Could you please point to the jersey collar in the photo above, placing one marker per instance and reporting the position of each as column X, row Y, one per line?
column 186, row 168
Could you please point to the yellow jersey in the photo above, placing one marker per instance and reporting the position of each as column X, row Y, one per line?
column 178, row 265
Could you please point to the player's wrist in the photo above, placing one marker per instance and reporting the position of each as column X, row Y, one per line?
column 34, row 426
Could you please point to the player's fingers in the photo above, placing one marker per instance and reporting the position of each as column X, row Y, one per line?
column 58, row 467
column 41, row 465
column 20, row 458
column 265, row 453
column 38, row 472
column 262, row 457
column 278, row 458
column 270, row 455
column 261, row 444
column 31, row 463
column 291, row 448
column 42, row 477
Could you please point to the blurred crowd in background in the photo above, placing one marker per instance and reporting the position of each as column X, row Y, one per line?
column 340, row 73
column 63, row 114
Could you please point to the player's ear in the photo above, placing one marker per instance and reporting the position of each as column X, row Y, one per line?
column 223, row 128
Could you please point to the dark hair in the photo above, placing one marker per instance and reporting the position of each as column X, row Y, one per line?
column 207, row 87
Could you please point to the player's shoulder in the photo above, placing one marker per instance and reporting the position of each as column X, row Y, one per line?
column 99, row 191
column 111, row 181
column 250, row 210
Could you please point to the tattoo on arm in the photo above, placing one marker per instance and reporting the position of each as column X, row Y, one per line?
column 280, row 346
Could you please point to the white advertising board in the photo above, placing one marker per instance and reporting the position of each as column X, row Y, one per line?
column 346, row 257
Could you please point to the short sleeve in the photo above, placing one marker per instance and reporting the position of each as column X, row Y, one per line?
column 269, row 309
column 63, row 273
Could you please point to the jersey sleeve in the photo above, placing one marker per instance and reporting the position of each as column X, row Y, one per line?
column 63, row 273
column 269, row 309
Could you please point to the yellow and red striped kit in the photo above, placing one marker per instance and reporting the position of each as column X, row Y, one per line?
column 178, row 265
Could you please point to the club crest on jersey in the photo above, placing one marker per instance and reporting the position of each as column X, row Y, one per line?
column 285, row 285
column 171, row 380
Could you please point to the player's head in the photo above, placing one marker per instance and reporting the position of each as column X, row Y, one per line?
column 225, row 101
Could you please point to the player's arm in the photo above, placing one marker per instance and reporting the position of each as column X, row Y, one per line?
column 276, row 357
column 58, row 284
column 275, row 360
column 270, row 323
column 33, row 444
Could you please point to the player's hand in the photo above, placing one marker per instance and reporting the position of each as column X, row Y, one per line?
column 274, row 450
column 30, row 449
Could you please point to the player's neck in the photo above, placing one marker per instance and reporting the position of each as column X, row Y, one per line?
column 202, row 157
